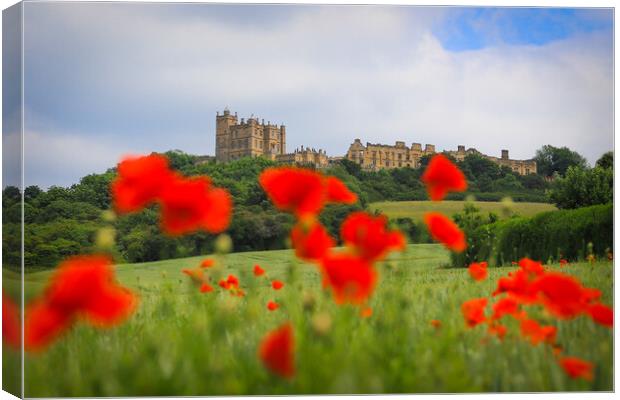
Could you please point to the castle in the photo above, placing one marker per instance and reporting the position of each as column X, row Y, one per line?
column 374, row 157
column 236, row 139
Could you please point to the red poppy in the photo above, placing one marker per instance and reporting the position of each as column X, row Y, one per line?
column 337, row 192
column 44, row 323
column 537, row 333
column 577, row 368
column 562, row 295
column 366, row 312
column 369, row 235
column 443, row 230
column 531, row 267
column 206, row 288
column 258, row 271
column 207, row 263
column 435, row 323
column 11, row 323
column 478, row 271
column 233, row 281
column 601, row 314
column 351, row 278
column 272, row 306
column 140, row 182
column 302, row 191
column 277, row 285
column 473, row 311
column 197, row 274
column 563, row 263
column 190, row 204
column 86, row 284
column 518, row 285
column 442, row 176
column 277, row 351
column 505, row 306
column 311, row 243
column 498, row 330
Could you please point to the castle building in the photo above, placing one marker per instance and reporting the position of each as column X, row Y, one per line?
column 374, row 157
column 305, row 156
column 234, row 140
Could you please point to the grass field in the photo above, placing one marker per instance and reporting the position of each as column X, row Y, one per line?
column 182, row 342
column 416, row 209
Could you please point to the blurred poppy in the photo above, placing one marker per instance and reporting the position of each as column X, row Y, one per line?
column 562, row 295
column 276, row 351
column 207, row 263
column 303, row 192
column 369, row 235
column 442, row 176
column 206, row 288
column 11, row 323
column 311, row 242
column 366, row 312
column 533, row 268
column 351, row 278
column 577, row 368
column 498, row 330
column 536, row 333
column 478, row 271
column 505, row 306
column 563, row 263
column 258, row 271
column 473, row 311
column 601, row 314
column 277, row 285
column 272, row 306
column 139, row 182
column 435, row 323
column 190, row 204
column 443, row 230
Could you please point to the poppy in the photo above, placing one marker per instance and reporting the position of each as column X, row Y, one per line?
column 277, row 285
column 224, row 284
column 276, row 351
column 197, row 274
column 11, row 323
column 473, row 311
column 601, row 314
column 233, row 281
column 190, row 204
column 139, row 182
column 366, row 312
column 577, row 368
column 563, row 263
column 531, row 267
column 435, row 323
column 272, row 306
column 43, row 324
column 505, row 306
column 478, row 271
column 207, row 263
column 443, row 230
column 369, row 235
column 258, row 271
column 303, row 192
column 537, row 333
column 311, row 243
column 498, row 330
column 518, row 285
column 206, row 288
column 351, row 278
column 442, row 176
column 562, row 295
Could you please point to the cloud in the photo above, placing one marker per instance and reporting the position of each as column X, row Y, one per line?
column 152, row 77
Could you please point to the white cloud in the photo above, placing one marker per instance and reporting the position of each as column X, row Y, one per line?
column 331, row 73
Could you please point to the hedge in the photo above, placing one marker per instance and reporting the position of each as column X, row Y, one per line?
column 551, row 235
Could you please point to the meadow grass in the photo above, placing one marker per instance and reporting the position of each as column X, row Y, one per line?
column 416, row 209
column 182, row 342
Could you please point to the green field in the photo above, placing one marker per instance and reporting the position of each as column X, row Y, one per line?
column 416, row 209
column 181, row 342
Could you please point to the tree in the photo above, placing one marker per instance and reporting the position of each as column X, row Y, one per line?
column 550, row 160
column 606, row 160
column 583, row 187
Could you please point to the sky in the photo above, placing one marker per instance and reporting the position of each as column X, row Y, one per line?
column 104, row 80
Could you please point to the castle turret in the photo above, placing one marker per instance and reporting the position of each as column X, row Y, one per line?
column 461, row 148
column 504, row 154
column 222, row 132
column 283, row 139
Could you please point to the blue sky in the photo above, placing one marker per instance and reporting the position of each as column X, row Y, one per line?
column 104, row 79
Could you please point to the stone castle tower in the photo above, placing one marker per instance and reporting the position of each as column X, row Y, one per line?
column 234, row 140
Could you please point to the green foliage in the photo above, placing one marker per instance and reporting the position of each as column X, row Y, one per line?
column 469, row 220
column 181, row 342
column 551, row 160
column 550, row 235
column 583, row 187
column 606, row 160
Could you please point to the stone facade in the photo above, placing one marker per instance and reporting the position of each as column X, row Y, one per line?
column 305, row 156
column 234, row 140
column 374, row 157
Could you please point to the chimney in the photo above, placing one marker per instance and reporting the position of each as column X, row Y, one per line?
column 504, row 154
